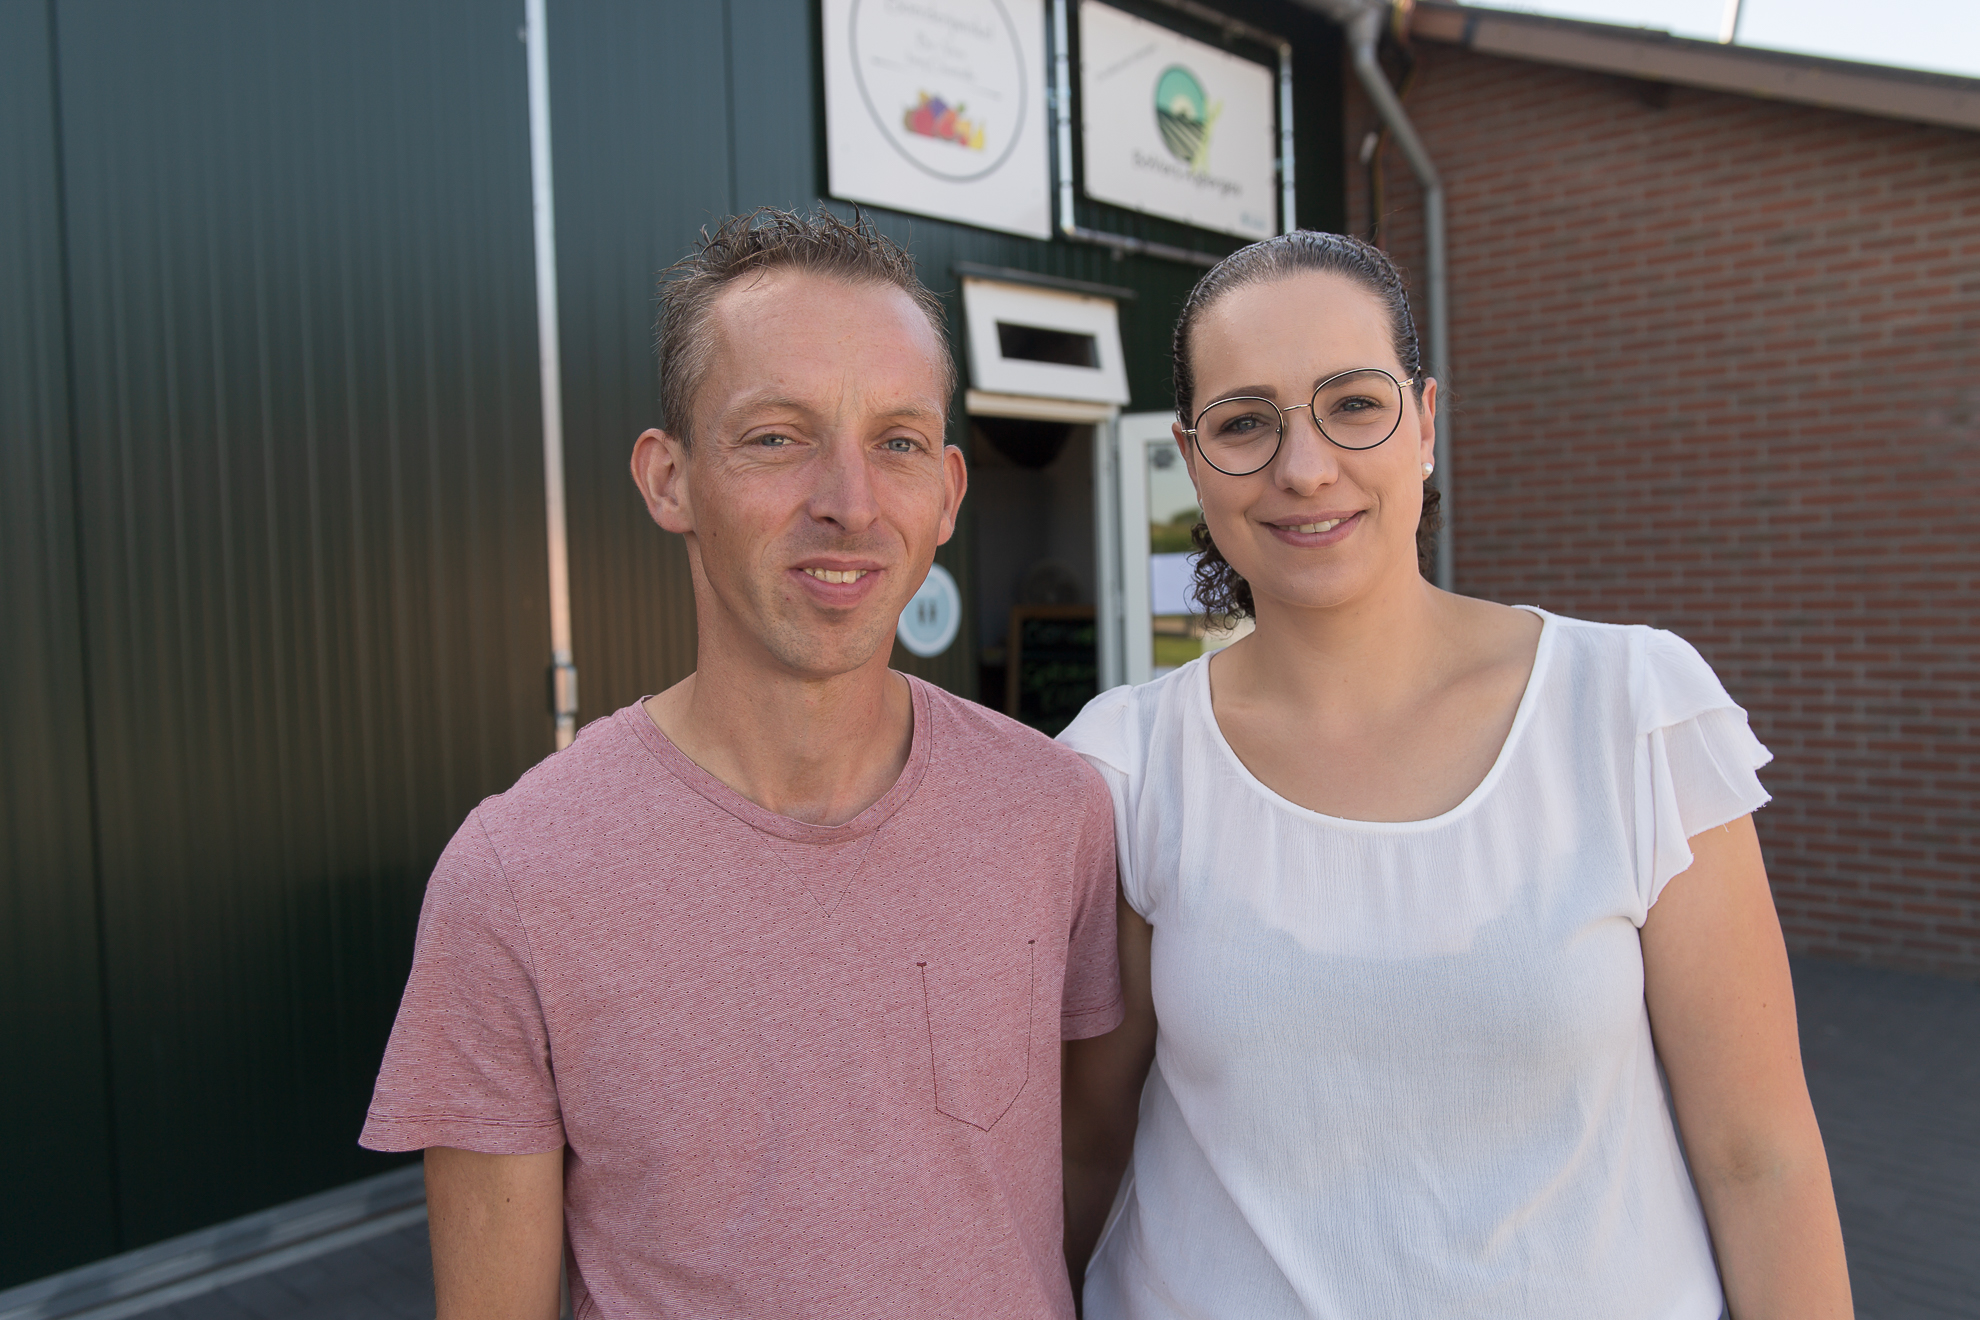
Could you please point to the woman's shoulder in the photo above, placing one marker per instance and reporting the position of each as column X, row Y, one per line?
column 1662, row 676
column 1117, row 727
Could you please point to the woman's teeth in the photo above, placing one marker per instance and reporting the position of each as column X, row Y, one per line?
column 837, row 574
column 1320, row 526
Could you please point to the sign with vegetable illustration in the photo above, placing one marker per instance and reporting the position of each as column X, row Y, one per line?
column 1176, row 127
column 938, row 107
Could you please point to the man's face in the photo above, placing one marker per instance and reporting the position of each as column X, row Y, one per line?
column 818, row 485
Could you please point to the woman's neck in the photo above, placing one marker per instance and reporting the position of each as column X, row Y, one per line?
column 1379, row 651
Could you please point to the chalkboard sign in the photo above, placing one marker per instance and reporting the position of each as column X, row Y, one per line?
column 1054, row 665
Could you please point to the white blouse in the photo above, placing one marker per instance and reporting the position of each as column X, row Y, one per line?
column 1405, row 1069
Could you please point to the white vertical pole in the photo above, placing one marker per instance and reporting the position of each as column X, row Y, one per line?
column 1062, row 112
column 1133, row 434
column 1111, row 633
column 1729, row 22
column 563, row 673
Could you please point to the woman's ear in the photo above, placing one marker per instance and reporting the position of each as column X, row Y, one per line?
column 1188, row 452
column 1426, row 420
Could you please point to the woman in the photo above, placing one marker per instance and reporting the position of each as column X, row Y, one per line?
column 1418, row 893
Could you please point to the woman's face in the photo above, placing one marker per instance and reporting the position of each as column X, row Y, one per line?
column 1320, row 526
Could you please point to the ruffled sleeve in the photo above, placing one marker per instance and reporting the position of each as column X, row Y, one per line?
column 1109, row 735
column 1696, row 757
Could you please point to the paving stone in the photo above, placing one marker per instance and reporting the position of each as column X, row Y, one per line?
column 1893, row 1065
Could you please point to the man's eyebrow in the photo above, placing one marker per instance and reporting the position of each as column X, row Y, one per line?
column 915, row 411
column 767, row 403
column 785, row 403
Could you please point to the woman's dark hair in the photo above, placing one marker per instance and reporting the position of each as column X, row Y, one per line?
column 1220, row 589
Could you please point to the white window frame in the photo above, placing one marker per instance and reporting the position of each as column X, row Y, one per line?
column 986, row 302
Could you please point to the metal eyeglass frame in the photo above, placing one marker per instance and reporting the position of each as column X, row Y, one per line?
column 1402, row 387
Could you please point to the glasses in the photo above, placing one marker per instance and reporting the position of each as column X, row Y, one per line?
column 1355, row 410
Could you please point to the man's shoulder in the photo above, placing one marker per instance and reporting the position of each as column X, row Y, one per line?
column 983, row 737
column 991, row 747
column 585, row 788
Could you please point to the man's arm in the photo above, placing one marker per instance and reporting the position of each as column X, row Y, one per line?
column 1715, row 977
column 1100, row 1097
column 497, row 1227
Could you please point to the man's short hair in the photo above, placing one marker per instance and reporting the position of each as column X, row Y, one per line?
column 764, row 240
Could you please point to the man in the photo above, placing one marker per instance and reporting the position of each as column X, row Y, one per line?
column 754, row 995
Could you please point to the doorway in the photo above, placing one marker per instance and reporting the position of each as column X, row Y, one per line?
column 1040, row 585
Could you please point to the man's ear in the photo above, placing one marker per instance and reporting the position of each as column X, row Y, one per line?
column 660, row 470
column 955, row 480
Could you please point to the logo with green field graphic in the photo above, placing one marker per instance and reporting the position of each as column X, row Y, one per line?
column 1185, row 116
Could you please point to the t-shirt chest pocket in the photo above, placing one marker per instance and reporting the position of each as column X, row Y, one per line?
column 977, row 1008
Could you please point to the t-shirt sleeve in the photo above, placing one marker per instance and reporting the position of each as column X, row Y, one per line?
column 1696, row 759
column 1092, row 1003
column 1107, row 733
column 468, row 1063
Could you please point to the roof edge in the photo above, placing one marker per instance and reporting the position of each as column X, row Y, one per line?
column 1657, row 56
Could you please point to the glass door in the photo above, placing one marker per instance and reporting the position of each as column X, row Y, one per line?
column 1164, row 628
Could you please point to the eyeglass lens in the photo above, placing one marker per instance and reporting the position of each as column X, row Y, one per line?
column 1355, row 410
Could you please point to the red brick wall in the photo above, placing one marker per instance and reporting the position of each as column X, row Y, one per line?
column 1717, row 367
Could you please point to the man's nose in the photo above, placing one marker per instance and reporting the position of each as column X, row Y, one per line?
column 844, row 491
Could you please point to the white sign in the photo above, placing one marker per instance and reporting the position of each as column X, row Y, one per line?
column 1172, row 584
column 933, row 615
column 938, row 107
column 1175, row 127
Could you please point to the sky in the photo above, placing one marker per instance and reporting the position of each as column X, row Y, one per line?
column 1939, row 35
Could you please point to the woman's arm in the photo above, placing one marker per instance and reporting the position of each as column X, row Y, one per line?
column 1715, row 976
column 1100, row 1098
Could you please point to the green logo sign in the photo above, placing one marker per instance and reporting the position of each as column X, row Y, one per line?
column 1185, row 116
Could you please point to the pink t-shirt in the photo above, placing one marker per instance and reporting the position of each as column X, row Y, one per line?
column 798, row 1070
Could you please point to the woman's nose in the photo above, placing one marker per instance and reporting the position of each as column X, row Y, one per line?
column 1306, row 457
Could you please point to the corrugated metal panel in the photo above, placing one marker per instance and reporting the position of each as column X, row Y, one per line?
column 56, row 1162
column 639, row 108
column 312, row 512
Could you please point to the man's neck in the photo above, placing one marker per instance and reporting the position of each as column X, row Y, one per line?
column 819, row 751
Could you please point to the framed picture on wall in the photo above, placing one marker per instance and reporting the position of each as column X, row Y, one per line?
column 937, row 107
column 1176, row 127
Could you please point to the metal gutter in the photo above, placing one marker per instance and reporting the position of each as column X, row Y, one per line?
column 1656, row 56
column 563, row 672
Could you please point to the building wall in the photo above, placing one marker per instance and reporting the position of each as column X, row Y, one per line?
column 270, row 630
column 271, row 516
column 1717, row 368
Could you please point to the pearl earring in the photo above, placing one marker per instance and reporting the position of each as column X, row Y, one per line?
column 1428, row 468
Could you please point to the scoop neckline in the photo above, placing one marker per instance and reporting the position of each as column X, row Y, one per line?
column 1522, row 716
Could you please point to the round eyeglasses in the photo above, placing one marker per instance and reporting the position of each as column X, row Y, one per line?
column 1355, row 410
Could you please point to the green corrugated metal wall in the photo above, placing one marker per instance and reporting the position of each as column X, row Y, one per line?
column 56, row 1175
column 270, row 505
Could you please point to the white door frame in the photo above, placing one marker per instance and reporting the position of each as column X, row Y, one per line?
column 1128, row 462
